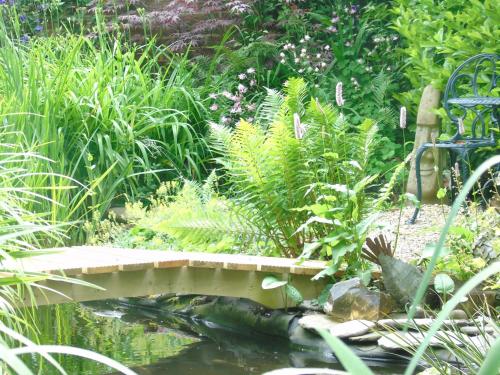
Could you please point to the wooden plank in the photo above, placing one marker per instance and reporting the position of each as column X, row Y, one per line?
column 185, row 280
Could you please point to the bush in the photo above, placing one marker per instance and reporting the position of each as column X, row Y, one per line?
column 439, row 35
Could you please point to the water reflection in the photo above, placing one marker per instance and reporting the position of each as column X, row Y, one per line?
column 154, row 344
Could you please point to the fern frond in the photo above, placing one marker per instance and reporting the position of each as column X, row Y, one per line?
column 387, row 190
column 269, row 109
column 296, row 92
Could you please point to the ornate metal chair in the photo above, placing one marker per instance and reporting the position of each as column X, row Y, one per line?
column 471, row 98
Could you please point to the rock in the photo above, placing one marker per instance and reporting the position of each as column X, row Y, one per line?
column 369, row 337
column 473, row 330
column 341, row 330
column 481, row 343
column 399, row 323
column 408, row 340
column 351, row 300
column 419, row 323
column 310, row 305
column 458, row 314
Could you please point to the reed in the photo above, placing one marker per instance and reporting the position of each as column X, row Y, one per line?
column 111, row 118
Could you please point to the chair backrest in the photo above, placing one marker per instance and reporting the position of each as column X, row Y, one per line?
column 470, row 95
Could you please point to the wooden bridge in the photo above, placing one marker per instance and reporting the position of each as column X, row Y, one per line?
column 133, row 273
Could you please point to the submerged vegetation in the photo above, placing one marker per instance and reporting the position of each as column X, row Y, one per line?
column 245, row 127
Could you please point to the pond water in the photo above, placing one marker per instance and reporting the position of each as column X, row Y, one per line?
column 152, row 343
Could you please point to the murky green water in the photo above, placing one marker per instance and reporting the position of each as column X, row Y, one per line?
column 154, row 345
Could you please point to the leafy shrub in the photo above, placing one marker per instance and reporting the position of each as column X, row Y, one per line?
column 439, row 35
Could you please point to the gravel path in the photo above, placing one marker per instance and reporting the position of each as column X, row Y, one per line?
column 413, row 238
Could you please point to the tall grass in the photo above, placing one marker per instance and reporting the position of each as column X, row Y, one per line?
column 109, row 116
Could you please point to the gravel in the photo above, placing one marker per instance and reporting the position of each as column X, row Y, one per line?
column 413, row 238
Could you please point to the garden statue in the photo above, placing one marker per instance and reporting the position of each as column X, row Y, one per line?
column 400, row 279
column 427, row 131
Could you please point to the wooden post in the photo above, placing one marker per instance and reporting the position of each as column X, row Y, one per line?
column 427, row 131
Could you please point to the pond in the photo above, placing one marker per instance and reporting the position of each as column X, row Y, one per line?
column 154, row 343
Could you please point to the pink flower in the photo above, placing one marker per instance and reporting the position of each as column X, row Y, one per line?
column 227, row 94
column 253, row 82
column 402, row 118
column 242, row 88
column 338, row 94
column 214, row 107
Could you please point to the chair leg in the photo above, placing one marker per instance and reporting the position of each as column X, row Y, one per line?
column 418, row 159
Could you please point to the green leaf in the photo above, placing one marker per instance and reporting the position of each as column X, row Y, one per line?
column 272, row 282
column 293, row 293
column 350, row 361
column 441, row 193
column 429, row 250
column 491, row 364
column 444, row 284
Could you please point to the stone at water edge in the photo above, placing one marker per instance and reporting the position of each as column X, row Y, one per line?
column 351, row 300
column 400, row 340
column 369, row 337
column 340, row 330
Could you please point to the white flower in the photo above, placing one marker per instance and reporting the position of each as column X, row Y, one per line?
column 327, row 47
column 282, row 61
column 323, row 64
column 253, row 82
column 302, row 40
column 307, row 37
column 282, row 54
column 316, row 69
column 338, row 94
column 285, row 47
column 212, row 96
column 242, row 76
column 214, row 107
column 402, row 117
column 251, row 70
column 461, row 127
column 224, row 119
column 457, row 169
column 303, row 50
column 318, row 55
column 227, row 94
column 299, row 129
column 301, row 70
column 297, row 60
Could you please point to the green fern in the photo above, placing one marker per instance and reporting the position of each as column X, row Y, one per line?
column 275, row 179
